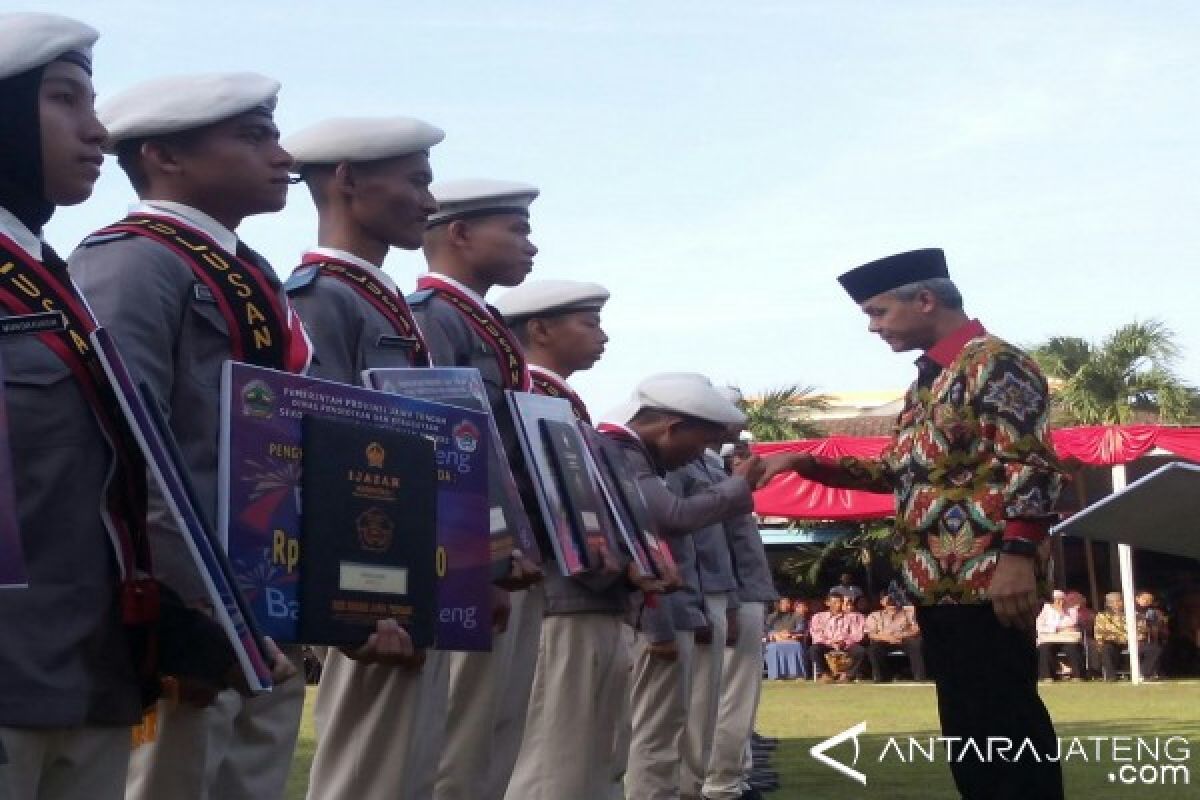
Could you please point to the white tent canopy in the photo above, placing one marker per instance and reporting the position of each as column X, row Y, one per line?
column 1159, row 512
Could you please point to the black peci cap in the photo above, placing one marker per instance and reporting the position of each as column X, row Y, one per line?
column 863, row 283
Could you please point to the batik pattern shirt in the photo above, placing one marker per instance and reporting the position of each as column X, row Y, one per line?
column 969, row 464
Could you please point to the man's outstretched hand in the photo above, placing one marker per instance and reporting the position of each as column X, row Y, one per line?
column 783, row 463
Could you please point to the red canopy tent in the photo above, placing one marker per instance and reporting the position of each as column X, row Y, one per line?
column 1111, row 446
column 1101, row 445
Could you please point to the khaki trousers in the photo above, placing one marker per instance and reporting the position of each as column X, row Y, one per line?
column 659, row 705
column 705, row 697
column 488, row 699
column 582, row 674
column 624, row 728
column 378, row 729
column 236, row 749
column 741, row 686
column 64, row 763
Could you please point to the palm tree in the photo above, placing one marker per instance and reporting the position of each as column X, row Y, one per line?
column 780, row 414
column 1131, row 370
column 853, row 550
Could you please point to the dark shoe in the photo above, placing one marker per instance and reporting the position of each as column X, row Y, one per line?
column 758, row 738
column 751, row 794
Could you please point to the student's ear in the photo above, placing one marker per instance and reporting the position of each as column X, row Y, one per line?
column 537, row 330
column 159, row 158
column 344, row 178
column 458, row 233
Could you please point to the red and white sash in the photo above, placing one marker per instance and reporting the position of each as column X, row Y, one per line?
column 488, row 324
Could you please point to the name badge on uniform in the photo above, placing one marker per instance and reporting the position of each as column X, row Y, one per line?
column 396, row 342
column 203, row 294
column 41, row 322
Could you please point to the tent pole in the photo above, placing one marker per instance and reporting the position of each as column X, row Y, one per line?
column 1125, row 554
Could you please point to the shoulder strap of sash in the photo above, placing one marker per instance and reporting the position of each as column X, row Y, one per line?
column 490, row 327
column 28, row 286
column 387, row 302
column 262, row 328
column 547, row 383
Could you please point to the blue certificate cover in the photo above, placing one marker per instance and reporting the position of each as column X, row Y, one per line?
column 260, row 502
column 153, row 437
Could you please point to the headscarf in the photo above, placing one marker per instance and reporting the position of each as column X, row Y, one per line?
column 22, row 180
column 22, row 183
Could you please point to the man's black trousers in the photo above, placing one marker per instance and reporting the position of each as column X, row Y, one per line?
column 986, row 678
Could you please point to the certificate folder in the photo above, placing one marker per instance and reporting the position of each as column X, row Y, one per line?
column 261, row 502
column 509, row 525
column 567, row 457
column 370, row 527
column 649, row 551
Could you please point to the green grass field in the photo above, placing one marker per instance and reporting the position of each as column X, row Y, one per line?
column 802, row 714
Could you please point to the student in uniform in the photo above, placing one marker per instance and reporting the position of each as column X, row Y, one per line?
column 69, row 690
column 741, row 675
column 583, row 664
column 715, row 588
column 478, row 239
column 181, row 294
column 377, row 710
column 669, row 422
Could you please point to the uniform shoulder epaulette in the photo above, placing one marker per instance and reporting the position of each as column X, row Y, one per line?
column 302, row 277
column 419, row 297
column 105, row 238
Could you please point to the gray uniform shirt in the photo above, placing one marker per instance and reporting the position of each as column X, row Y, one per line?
column 676, row 517
column 750, row 564
column 174, row 338
column 64, row 656
column 348, row 334
column 714, row 566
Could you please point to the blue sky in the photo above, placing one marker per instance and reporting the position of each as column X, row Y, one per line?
column 718, row 164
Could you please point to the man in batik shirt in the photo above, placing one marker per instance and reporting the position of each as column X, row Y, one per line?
column 975, row 482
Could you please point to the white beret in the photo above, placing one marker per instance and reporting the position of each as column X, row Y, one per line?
column 687, row 393
column 184, row 103
column 479, row 197
column 358, row 139
column 548, row 297
column 32, row 39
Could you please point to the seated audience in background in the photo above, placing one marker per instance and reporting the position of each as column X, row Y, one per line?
column 847, row 590
column 787, row 633
column 891, row 628
column 1156, row 619
column 1112, row 634
column 839, row 632
column 1083, row 612
column 1058, row 632
column 1087, row 623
